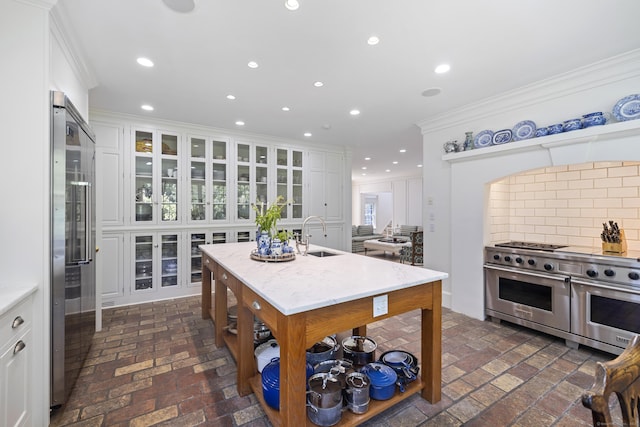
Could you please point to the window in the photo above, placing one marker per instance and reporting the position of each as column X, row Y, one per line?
column 370, row 213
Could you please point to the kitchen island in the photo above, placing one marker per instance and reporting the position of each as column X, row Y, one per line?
column 306, row 299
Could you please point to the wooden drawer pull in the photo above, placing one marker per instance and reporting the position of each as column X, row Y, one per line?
column 256, row 305
column 20, row 345
column 17, row 322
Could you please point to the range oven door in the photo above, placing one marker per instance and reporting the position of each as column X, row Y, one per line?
column 605, row 313
column 531, row 297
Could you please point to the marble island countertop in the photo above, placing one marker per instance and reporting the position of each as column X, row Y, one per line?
column 11, row 294
column 311, row 282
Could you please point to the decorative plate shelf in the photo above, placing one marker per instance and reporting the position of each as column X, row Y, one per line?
column 592, row 134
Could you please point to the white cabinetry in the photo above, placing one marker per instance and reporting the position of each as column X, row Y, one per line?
column 326, row 193
column 109, row 149
column 332, row 239
column 208, row 176
column 289, row 182
column 156, row 261
column 16, row 364
column 112, row 256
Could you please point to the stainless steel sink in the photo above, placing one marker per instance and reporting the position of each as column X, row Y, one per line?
column 321, row 253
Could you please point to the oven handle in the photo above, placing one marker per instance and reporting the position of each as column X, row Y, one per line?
column 529, row 273
column 608, row 287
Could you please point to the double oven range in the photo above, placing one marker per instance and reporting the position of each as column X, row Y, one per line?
column 583, row 297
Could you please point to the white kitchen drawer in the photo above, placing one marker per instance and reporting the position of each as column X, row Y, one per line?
column 24, row 311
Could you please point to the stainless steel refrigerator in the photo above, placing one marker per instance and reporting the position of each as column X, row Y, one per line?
column 73, row 245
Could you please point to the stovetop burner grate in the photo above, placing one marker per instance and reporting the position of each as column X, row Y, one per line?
column 530, row 245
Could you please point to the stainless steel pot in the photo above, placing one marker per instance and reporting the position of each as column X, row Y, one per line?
column 324, row 391
column 360, row 350
column 325, row 416
column 357, row 392
column 338, row 368
column 323, row 350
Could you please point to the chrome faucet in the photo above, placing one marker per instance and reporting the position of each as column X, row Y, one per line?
column 304, row 241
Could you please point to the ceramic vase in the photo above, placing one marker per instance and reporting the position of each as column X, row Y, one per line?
column 264, row 244
column 276, row 247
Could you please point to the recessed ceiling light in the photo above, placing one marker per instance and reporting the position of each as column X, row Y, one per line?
column 291, row 4
column 147, row 107
column 367, row 158
column 252, row 64
column 240, row 123
column 364, row 168
column 364, row 174
column 145, row 62
column 403, row 150
column 442, row 68
column 318, row 84
column 373, row 40
column 326, row 126
column 307, row 134
column 231, row 97
column 419, row 166
column 286, row 109
column 432, row 91
column 354, row 112
column 395, row 163
column 387, row 170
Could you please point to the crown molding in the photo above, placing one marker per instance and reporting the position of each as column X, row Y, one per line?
column 73, row 53
column 601, row 73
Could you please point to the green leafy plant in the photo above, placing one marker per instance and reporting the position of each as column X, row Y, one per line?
column 267, row 218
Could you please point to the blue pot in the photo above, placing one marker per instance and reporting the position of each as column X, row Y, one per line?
column 271, row 382
column 383, row 380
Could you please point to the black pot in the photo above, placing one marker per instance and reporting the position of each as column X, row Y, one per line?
column 359, row 350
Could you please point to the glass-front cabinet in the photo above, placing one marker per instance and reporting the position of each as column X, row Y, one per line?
column 156, row 177
column 156, row 261
column 251, row 177
column 208, row 180
column 201, row 238
column 289, row 181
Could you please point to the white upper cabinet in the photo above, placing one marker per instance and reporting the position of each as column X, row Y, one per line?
column 289, row 181
column 207, row 180
column 326, row 193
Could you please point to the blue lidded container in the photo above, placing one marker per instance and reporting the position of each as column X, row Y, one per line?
column 271, row 382
column 383, row 380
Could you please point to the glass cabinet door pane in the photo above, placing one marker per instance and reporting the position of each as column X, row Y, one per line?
column 144, row 142
column 198, row 146
column 281, row 157
column 143, row 262
column 169, row 202
column 296, row 193
column 244, row 192
column 219, row 150
column 198, row 183
column 169, row 256
column 297, row 159
column 261, row 174
column 144, row 188
column 196, row 258
column 169, row 145
column 243, row 153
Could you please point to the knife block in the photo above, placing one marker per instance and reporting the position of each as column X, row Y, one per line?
column 616, row 248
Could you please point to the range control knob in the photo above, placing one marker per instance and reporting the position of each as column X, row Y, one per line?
column 609, row 272
column 592, row 273
column 519, row 260
column 496, row 257
column 531, row 262
column 548, row 267
column 507, row 258
column 634, row 276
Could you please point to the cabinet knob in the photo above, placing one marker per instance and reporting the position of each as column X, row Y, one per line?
column 256, row 305
column 17, row 322
column 20, row 345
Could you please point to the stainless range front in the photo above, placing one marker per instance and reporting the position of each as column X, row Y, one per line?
column 584, row 298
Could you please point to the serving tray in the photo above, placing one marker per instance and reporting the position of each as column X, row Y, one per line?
column 272, row 258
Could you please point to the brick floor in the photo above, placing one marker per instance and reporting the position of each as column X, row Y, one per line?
column 157, row 364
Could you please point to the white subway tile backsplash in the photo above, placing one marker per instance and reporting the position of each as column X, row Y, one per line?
column 608, row 183
column 623, row 171
column 567, row 204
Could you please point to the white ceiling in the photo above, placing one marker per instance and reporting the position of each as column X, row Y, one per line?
column 201, row 57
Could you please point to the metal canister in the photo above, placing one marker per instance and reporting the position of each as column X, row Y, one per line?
column 357, row 392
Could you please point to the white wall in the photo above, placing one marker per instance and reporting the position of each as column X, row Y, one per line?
column 406, row 193
column 456, row 191
column 24, row 221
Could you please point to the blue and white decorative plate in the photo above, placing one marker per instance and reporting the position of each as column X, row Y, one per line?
column 628, row 108
column 483, row 139
column 502, row 136
column 524, row 130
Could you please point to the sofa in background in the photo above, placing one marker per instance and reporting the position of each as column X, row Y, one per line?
column 360, row 233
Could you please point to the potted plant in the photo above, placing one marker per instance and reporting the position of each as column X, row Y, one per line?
column 266, row 219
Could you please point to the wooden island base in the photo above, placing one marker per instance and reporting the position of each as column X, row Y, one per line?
column 297, row 331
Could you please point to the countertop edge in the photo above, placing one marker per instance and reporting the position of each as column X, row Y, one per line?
column 11, row 296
